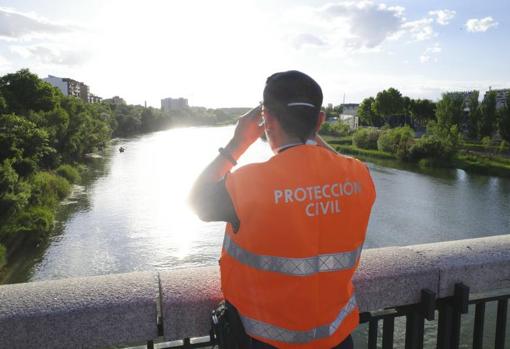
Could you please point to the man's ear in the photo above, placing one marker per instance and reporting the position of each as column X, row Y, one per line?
column 269, row 119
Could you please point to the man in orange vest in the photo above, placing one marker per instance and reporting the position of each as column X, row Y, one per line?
column 296, row 223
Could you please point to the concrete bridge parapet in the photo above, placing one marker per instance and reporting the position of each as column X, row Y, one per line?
column 103, row 311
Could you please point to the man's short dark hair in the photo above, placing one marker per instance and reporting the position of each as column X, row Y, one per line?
column 295, row 99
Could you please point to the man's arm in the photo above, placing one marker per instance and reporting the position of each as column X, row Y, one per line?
column 247, row 131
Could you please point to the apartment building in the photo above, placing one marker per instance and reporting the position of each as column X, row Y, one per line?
column 350, row 108
column 71, row 87
column 501, row 96
column 168, row 104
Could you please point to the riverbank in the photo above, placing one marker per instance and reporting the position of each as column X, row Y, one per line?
column 465, row 159
column 130, row 214
column 23, row 250
column 33, row 225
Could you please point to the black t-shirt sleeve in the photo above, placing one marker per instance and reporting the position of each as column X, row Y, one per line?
column 215, row 204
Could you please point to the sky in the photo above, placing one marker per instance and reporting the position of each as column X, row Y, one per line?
column 219, row 53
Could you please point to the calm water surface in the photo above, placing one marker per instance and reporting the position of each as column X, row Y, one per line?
column 132, row 214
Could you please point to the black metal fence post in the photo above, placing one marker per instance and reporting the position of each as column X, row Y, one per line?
column 450, row 311
column 388, row 332
column 501, row 323
column 415, row 321
column 478, row 326
column 373, row 325
column 460, row 306
column 444, row 325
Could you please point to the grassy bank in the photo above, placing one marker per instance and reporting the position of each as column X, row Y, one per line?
column 364, row 153
column 488, row 165
column 40, row 194
column 470, row 162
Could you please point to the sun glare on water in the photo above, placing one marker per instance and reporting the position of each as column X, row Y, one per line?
column 171, row 163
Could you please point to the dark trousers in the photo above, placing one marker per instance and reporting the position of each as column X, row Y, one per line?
column 255, row 344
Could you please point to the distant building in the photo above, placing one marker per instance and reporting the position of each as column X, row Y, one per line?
column 70, row 87
column 58, row 83
column 501, row 96
column 351, row 120
column 350, row 108
column 168, row 104
column 94, row 98
column 117, row 100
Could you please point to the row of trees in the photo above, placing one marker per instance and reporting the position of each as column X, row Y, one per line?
column 390, row 107
column 473, row 119
column 44, row 134
column 132, row 119
column 40, row 131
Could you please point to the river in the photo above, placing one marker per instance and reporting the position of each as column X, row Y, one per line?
column 131, row 212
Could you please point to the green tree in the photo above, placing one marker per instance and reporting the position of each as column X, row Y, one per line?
column 389, row 103
column 338, row 109
column 473, row 124
column 449, row 112
column 337, row 128
column 367, row 115
column 24, row 91
column 88, row 128
column 488, row 111
column 129, row 120
column 422, row 111
column 366, row 138
column 504, row 120
column 39, row 127
column 22, row 141
column 397, row 141
column 14, row 194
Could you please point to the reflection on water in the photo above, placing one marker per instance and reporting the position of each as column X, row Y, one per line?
column 131, row 214
column 415, row 208
column 135, row 217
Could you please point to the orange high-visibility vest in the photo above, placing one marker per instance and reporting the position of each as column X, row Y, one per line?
column 288, row 269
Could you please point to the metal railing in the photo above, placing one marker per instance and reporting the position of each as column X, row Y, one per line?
column 450, row 310
column 429, row 287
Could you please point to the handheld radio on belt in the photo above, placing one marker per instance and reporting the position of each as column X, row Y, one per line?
column 227, row 330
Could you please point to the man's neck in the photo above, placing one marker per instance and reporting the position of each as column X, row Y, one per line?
column 287, row 142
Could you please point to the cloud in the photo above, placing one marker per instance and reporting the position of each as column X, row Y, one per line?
column 16, row 25
column 442, row 17
column 363, row 24
column 4, row 63
column 307, row 39
column 420, row 29
column 480, row 25
column 434, row 49
column 51, row 55
column 431, row 54
column 424, row 59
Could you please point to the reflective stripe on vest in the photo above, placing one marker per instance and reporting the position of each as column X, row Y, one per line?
column 265, row 330
column 293, row 266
